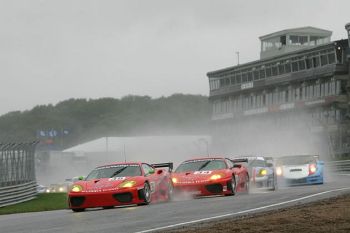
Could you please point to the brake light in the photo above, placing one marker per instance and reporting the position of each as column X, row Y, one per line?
column 312, row 169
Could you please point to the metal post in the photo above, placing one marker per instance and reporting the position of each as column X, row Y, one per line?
column 347, row 27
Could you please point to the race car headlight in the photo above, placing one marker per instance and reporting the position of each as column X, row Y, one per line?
column 263, row 172
column 76, row 188
column 279, row 171
column 215, row 177
column 174, row 180
column 127, row 184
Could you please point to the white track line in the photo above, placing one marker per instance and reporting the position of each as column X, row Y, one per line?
column 242, row 212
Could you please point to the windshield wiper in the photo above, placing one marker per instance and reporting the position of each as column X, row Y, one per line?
column 204, row 165
column 118, row 172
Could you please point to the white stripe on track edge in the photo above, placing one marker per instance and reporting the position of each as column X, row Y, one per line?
column 241, row 212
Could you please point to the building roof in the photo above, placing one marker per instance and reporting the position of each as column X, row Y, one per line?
column 301, row 30
column 268, row 59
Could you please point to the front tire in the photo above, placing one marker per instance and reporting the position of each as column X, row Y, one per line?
column 231, row 185
column 146, row 194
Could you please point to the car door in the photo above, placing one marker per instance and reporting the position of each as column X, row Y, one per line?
column 152, row 177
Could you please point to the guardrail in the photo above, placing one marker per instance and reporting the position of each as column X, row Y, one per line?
column 17, row 193
column 17, row 173
column 341, row 166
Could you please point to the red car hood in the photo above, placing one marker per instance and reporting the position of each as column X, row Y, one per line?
column 104, row 183
column 197, row 175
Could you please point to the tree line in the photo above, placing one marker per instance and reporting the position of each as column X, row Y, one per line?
column 75, row 121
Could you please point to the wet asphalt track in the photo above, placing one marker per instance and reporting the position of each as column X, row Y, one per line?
column 144, row 218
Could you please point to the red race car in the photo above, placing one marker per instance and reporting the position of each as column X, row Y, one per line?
column 210, row 176
column 121, row 184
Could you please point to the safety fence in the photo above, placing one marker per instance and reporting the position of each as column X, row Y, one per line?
column 341, row 166
column 17, row 172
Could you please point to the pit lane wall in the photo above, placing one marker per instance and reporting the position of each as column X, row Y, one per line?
column 17, row 173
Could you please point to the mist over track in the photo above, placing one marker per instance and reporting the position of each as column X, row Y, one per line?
column 173, row 214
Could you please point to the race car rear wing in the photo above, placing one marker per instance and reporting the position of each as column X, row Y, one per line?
column 158, row 165
column 240, row 160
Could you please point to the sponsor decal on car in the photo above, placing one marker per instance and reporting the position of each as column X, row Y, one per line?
column 118, row 165
column 201, row 160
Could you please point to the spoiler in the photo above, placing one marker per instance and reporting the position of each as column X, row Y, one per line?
column 239, row 160
column 169, row 165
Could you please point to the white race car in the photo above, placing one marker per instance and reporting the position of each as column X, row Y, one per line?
column 299, row 169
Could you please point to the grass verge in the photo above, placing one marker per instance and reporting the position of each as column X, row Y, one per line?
column 43, row 202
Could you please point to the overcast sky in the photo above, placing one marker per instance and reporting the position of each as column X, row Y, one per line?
column 54, row 50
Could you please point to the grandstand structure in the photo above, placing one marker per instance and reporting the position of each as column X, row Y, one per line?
column 301, row 82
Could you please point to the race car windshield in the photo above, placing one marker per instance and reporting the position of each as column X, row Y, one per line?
column 296, row 160
column 201, row 165
column 257, row 163
column 114, row 171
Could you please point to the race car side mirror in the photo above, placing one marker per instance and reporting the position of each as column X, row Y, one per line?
column 81, row 178
column 159, row 172
column 151, row 172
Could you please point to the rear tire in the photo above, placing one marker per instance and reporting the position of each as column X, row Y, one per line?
column 247, row 185
column 170, row 191
column 274, row 184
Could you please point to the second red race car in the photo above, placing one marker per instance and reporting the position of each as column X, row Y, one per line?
column 121, row 184
column 211, row 176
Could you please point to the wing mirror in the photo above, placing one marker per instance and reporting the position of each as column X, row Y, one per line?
column 151, row 172
column 81, row 178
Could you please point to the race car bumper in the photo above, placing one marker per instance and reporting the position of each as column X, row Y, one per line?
column 264, row 182
column 105, row 198
column 203, row 188
column 317, row 179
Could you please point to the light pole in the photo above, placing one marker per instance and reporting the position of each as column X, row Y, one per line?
column 237, row 53
column 347, row 27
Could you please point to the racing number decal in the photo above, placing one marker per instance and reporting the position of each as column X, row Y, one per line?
column 153, row 187
column 202, row 172
column 117, row 178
